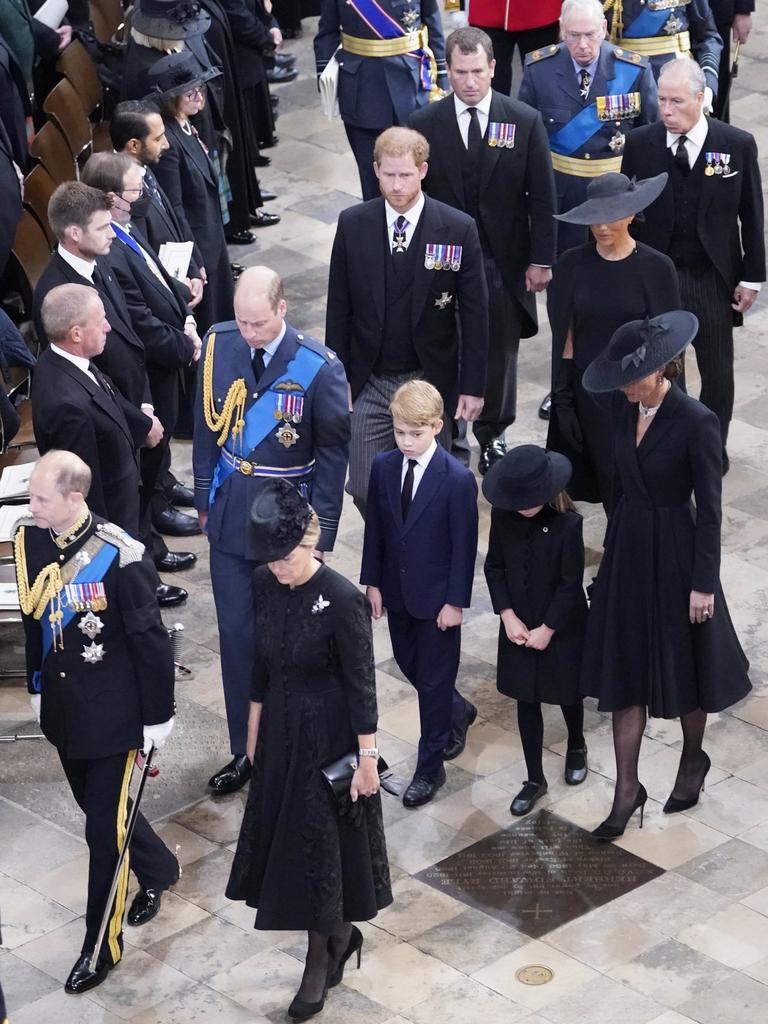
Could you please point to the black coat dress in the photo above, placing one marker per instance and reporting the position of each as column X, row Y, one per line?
column 301, row 864
column 536, row 568
column 640, row 647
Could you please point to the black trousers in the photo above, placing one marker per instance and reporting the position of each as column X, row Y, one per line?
column 361, row 141
column 100, row 787
column 722, row 109
column 429, row 659
column 707, row 296
column 500, row 406
column 504, row 44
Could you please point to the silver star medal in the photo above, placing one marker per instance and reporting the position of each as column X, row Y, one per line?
column 673, row 25
column 93, row 653
column 617, row 142
column 320, row 605
column 410, row 18
column 444, row 300
column 91, row 625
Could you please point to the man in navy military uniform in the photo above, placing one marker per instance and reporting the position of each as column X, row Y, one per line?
column 392, row 56
column 270, row 402
column 665, row 29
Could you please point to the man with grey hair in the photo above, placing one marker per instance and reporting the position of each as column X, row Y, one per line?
column 709, row 219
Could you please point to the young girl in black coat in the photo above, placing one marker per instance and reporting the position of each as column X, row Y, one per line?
column 534, row 570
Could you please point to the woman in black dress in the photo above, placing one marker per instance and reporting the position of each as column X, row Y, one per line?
column 595, row 289
column 659, row 637
column 313, row 701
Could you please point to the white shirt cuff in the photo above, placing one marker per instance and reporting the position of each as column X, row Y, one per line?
column 754, row 285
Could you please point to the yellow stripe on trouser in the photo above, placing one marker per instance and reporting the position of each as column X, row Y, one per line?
column 116, row 920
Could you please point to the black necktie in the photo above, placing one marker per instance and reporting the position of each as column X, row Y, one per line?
column 406, row 495
column 97, row 278
column 101, row 380
column 681, row 155
column 149, row 181
column 474, row 135
column 585, row 80
column 258, row 364
column 399, row 244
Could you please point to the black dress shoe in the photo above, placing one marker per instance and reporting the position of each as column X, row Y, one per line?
column 266, row 197
column 240, row 237
column 458, row 738
column 301, row 1010
column 180, row 495
column 284, row 60
column 422, row 788
column 576, row 766
column 262, row 219
column 490, row 453
column 261, row 161
column 545, row 408
column 277, row 75
column 176, row 561
column 82, row 978
column 232, row 776
column 146, row 904
column 237, row 269
column 173, row 523
column 169, row 597
column 526, row 799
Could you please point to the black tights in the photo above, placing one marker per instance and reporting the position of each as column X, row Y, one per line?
column 531, row 726
column 323, row 953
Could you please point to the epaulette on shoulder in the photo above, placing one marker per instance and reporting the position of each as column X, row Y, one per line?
column 25, row 520
column 223, row 327
column 316, row 346
column 546, row 51
column 131, row 550
column 630, row 57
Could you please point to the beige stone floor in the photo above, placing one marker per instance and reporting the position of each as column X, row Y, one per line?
column 690, row 946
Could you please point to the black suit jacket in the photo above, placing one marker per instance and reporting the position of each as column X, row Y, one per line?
column 123, row 358
column 160, row 224
column 71, row 412
column 455, row 363
column 517, row 189
column 730, row 216
column 10, row 208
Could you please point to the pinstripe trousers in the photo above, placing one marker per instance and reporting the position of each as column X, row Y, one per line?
column 707, row 296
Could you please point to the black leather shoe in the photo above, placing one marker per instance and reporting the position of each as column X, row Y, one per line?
column 232, row 776
column 266, row 197
column 458, row 738
column 576, row 766
column 178, row 494
column 176, row 561
column 82, row 978
column 169, row 597
column 526, row 799
column 278, row 75
column 545, row 408
column 301, row 1010
column 490, row 453
column 240, row 238
column 422, row 788
column 284, row 60
column 261, row 219
column 146, row 904
column 237, row 269
column 261, row 161
column 173, row 523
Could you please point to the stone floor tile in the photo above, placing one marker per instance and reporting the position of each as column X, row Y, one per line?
column 671, row 1017
column 400, row 977
column 205, row 948
column 264, row 983
column 489, row 749
column 215, row 818
column 175, row 915
column 758, row 901
column 616, row 1002
column 465, row 1001
column 67, row 885
column 55, row 952
column 604, row 938
column 469, row 940
column 671, row 973
column 344, row 1005
column 733, row 744
column 736, row 1000
column 569, row 974
column 416, row 908
column 23, row 983
column 732, row 806
column 63, row 1009
column 734, row 869
column 27, row 915
column 138, row 982
column 28, row 852
column 737, row 936
column 403, row 722
column 418, row 841
column 478, row 810
column 660, row 769
column 188, row 846
column 205, row 880
column 669, row 903
column 669, row 839
column 197, row 1004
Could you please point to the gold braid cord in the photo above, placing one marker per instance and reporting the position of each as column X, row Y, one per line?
column 232, row 415
column 46, row 589
column 617, row 21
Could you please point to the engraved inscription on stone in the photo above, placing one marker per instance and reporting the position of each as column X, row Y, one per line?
column 539, row 874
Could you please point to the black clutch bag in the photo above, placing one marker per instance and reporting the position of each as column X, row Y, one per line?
column 338, row 775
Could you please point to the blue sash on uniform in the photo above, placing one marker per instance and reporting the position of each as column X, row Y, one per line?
column 586, row 123
column 260, row 418
column 385, row 27
column 647, row 23
column 94, row 572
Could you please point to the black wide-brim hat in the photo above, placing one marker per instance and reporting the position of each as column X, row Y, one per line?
column 170, row 19
column 279, row 519
column 638, row 349
column 527, row 476
column 177, row 73
column 613, row 197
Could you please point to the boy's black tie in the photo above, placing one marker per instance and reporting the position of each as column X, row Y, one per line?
column 406, row 495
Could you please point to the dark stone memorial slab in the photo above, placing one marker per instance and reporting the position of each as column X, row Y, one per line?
column 539, row 874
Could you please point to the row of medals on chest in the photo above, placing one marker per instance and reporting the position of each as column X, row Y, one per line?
column 88, row 598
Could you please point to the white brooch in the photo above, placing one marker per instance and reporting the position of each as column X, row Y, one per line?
column 93, row 653
column 320, row 605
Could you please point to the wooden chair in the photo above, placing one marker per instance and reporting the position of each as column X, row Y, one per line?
column 65, row 109
column 39, row 186
column 32, row 252
column 52, row 150
column 108, row 19
column 77, row 66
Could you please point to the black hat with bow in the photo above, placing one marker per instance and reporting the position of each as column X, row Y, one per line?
column 640, row 348
column 279, row 519
column 612, row 197
column 179, row 73
column 170, row 19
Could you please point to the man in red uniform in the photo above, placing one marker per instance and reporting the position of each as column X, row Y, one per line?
column 514, row 23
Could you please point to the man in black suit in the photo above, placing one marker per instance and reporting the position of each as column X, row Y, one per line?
column 489, row 156
column 733, row 19
column 10, row 189
column 400, row 267
column 709, row 219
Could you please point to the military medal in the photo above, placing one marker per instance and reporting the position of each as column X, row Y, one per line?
column 501, row 135
column 444, row 300
column 399, row 241
column 85, row 597
column 410, row 18
column 93, row 653
column 617, row 142
column 287, row 435
column 673, row 25
column 429, row 257
column 442, row 257
column 91, row 625
column 618, row 107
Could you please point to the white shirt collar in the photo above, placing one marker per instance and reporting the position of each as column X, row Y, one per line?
column 695, row 136
column 269, row 350
column 412, row 215
column 422, row 460
column 84, row 268
column 80, row 362
column 484, row 106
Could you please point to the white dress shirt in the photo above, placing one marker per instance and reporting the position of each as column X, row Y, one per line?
column 269, row 350
column 464, row 117
column 694, row 143
column 85, row 268
column 422, row 461
column 80, row 362
column 117, row 228
column 412, row 216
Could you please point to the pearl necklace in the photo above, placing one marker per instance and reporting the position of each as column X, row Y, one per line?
column 646, row 411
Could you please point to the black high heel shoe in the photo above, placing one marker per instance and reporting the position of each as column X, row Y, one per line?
column 301, row 1010
column 675, row 804
column 608, row 830
column 355, row 945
